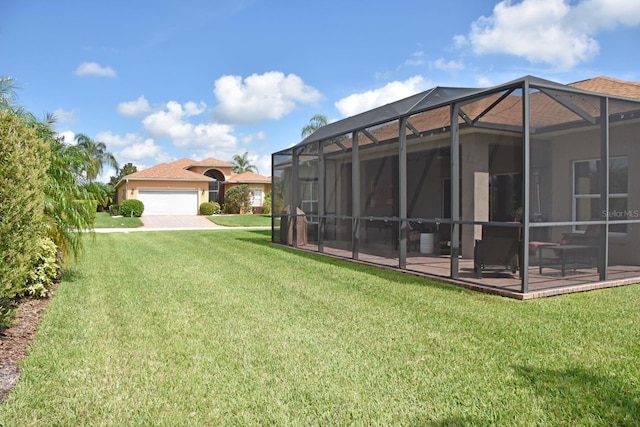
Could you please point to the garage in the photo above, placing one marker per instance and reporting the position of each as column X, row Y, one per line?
column 169, row 202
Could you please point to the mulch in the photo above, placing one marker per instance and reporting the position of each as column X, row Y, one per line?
column 15, row 340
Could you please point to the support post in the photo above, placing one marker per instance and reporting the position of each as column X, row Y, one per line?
column 402, row 190
column 355, row 196
column 455, row 190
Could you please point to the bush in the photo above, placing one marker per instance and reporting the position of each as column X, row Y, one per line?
column 131, row 207
column 237, row 200
column 209, row 208
column 45, row 269
column 267, row 203
column 24, row 159
column 114, row 210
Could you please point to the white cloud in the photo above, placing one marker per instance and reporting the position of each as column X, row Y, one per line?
column 442, row 64
column 94, row 69
column 248, row 139
column 359, row 102
column 69, row 137
column 137, row 151
column 271, row 95
column 557, row 32
column 416, row 59
column 118, row 141
column 65, row 116
column 264, row 164
column 134, row 108
column 172, row 122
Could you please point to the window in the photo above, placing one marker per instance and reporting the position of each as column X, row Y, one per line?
column 309, row 200
column 586, row 192
column 505, row 196
column 256, row 198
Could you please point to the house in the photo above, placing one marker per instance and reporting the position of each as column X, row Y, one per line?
column 179, row 187
column 499, row 183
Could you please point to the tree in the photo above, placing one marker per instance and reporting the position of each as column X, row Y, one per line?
column 125, row 170
column 95, row 155
column 315, row 123
column 243, row 164
column 237, row 200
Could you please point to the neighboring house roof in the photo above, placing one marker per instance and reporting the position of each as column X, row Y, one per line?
column 178, row 171
column 212, row 163
column 173, row 171
column 249, row 178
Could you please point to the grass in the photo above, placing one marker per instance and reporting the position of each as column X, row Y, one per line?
column 104, row 220
column 255, row 220
column 223, row 328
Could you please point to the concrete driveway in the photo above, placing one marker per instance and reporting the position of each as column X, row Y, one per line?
column 177, row 222
column 167, row 222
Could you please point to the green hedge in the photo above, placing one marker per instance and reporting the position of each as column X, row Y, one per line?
column 131, row 207
column 209, row 208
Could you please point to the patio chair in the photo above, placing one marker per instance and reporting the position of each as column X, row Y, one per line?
column 497, row 251
column 414, row 229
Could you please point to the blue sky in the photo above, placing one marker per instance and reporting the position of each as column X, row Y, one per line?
column 157, row 81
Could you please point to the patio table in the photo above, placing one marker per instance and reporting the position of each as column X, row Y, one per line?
column 561, row 251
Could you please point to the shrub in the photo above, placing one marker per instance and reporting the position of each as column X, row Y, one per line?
column 131, row 207
column 237, row 199
column 24, row 159
column 209, row 208
column 267, row 203
column 44, row 271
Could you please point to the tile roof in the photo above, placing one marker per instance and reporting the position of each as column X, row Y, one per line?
column 169, row 171
column 609, row 86
column 211, row 162
column 246, row 177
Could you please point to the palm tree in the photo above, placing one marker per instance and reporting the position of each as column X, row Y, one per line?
column 7, row 92
column 315, row 123
column 243, row 164
column 95, row 155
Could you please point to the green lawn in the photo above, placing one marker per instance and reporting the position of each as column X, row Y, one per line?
column 255, row 220
column 104, row 220
column 223, row 328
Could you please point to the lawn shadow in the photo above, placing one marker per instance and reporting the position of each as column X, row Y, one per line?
column 579, row 396
column 387, row 273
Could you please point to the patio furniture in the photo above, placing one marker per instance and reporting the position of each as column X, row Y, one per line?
column 578, row 248
column 564, row 253
column 498, row 250
column 286, row 226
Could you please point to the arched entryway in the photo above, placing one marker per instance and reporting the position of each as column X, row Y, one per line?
column 216, row 193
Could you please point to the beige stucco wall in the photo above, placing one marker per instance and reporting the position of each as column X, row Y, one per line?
column 557, row 181
column 130, row 189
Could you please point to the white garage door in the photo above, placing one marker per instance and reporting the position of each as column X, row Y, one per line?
column 169, row 202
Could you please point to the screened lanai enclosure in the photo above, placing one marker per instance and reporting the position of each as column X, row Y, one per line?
column 525, row 189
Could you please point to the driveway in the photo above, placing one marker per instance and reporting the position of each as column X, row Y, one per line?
column 177, row 222
column 167, row 222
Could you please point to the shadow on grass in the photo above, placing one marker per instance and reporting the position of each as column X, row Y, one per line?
column 382, row 272
column 578, row 396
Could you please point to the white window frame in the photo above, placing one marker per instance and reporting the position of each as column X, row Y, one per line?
column 256, row 197
column 309, row 200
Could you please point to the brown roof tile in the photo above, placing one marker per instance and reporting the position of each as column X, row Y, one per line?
column 248, row 177
column 168, row 171
column 610, row 86
column 211, row 162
